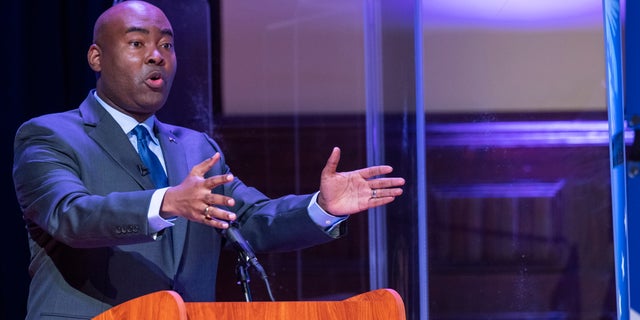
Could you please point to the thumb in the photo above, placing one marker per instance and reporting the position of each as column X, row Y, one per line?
column 332, row 163
column 203, row 167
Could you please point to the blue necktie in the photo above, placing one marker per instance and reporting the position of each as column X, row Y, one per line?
column 149, row 158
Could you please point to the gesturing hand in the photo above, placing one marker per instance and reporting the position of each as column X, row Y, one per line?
column 344, row 193
column 192, row 198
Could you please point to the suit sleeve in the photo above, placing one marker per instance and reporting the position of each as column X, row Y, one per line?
column 272, row 225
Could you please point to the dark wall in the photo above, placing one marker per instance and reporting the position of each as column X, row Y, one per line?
column 46, row 71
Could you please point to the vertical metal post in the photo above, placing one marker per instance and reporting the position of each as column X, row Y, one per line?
column 632, row 115
column 421, row 167
column 395, row 135
column 615, row 109
column 378, row 269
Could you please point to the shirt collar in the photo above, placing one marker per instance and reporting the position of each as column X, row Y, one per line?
column 126, row 122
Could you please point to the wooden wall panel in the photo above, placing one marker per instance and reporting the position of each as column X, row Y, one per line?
column 519, row 213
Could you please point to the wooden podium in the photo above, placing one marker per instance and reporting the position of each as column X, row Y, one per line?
column 383, row 304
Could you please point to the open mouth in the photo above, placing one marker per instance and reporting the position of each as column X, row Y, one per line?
column 154, row 80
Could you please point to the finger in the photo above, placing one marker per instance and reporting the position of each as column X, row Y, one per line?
column 373, row 171
column 216, row 223
column 381, row 183
column 203, row 167
column 219, row 200
column 217, row 217
column 215, row 181
column 385, row 193
column 217, row 213
column 375, row 202
column 332, row 162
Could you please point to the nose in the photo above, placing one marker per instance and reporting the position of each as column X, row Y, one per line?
column 155, row 57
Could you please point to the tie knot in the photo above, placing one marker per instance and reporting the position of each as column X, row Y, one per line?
column 141, row 133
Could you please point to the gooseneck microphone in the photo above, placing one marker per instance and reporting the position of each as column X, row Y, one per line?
column 245, row 252
column 237, row 240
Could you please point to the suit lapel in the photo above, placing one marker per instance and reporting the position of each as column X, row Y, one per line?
column 177, row 169
column 106, row 132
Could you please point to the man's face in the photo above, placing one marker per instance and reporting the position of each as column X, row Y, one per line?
column 135, row 58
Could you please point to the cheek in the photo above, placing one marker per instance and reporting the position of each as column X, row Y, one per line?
column 118, row 70
column 127, row 74
column 173, row 66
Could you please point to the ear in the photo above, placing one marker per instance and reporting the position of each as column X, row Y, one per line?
column 93, row 57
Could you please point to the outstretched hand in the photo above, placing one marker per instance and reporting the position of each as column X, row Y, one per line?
column 193, row 200
column 344, row 193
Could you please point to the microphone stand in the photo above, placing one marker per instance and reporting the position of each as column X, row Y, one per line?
column 246, row 258
column 242, row 272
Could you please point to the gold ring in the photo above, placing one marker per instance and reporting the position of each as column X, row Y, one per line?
column 206, row 213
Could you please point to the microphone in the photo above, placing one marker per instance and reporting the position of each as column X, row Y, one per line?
column 245, row 252
column 237, row 240
column 143, row 170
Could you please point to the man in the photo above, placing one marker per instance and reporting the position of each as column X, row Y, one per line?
column 105, row 227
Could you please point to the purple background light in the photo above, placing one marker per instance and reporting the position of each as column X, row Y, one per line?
column 513, row 13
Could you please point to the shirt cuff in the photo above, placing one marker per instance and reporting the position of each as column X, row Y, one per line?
column 324, row 220
column 156, row 222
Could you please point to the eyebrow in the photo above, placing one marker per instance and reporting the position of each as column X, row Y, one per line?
column 167, row 32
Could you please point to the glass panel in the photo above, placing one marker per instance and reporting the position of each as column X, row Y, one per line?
column 518, row 165
column 395, row 130
column 300, row 77
column 293, row 88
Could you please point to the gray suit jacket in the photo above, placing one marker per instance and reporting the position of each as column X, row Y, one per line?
column 85, row 204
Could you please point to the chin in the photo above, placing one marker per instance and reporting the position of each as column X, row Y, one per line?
column 154, row 108
column 154, row 103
